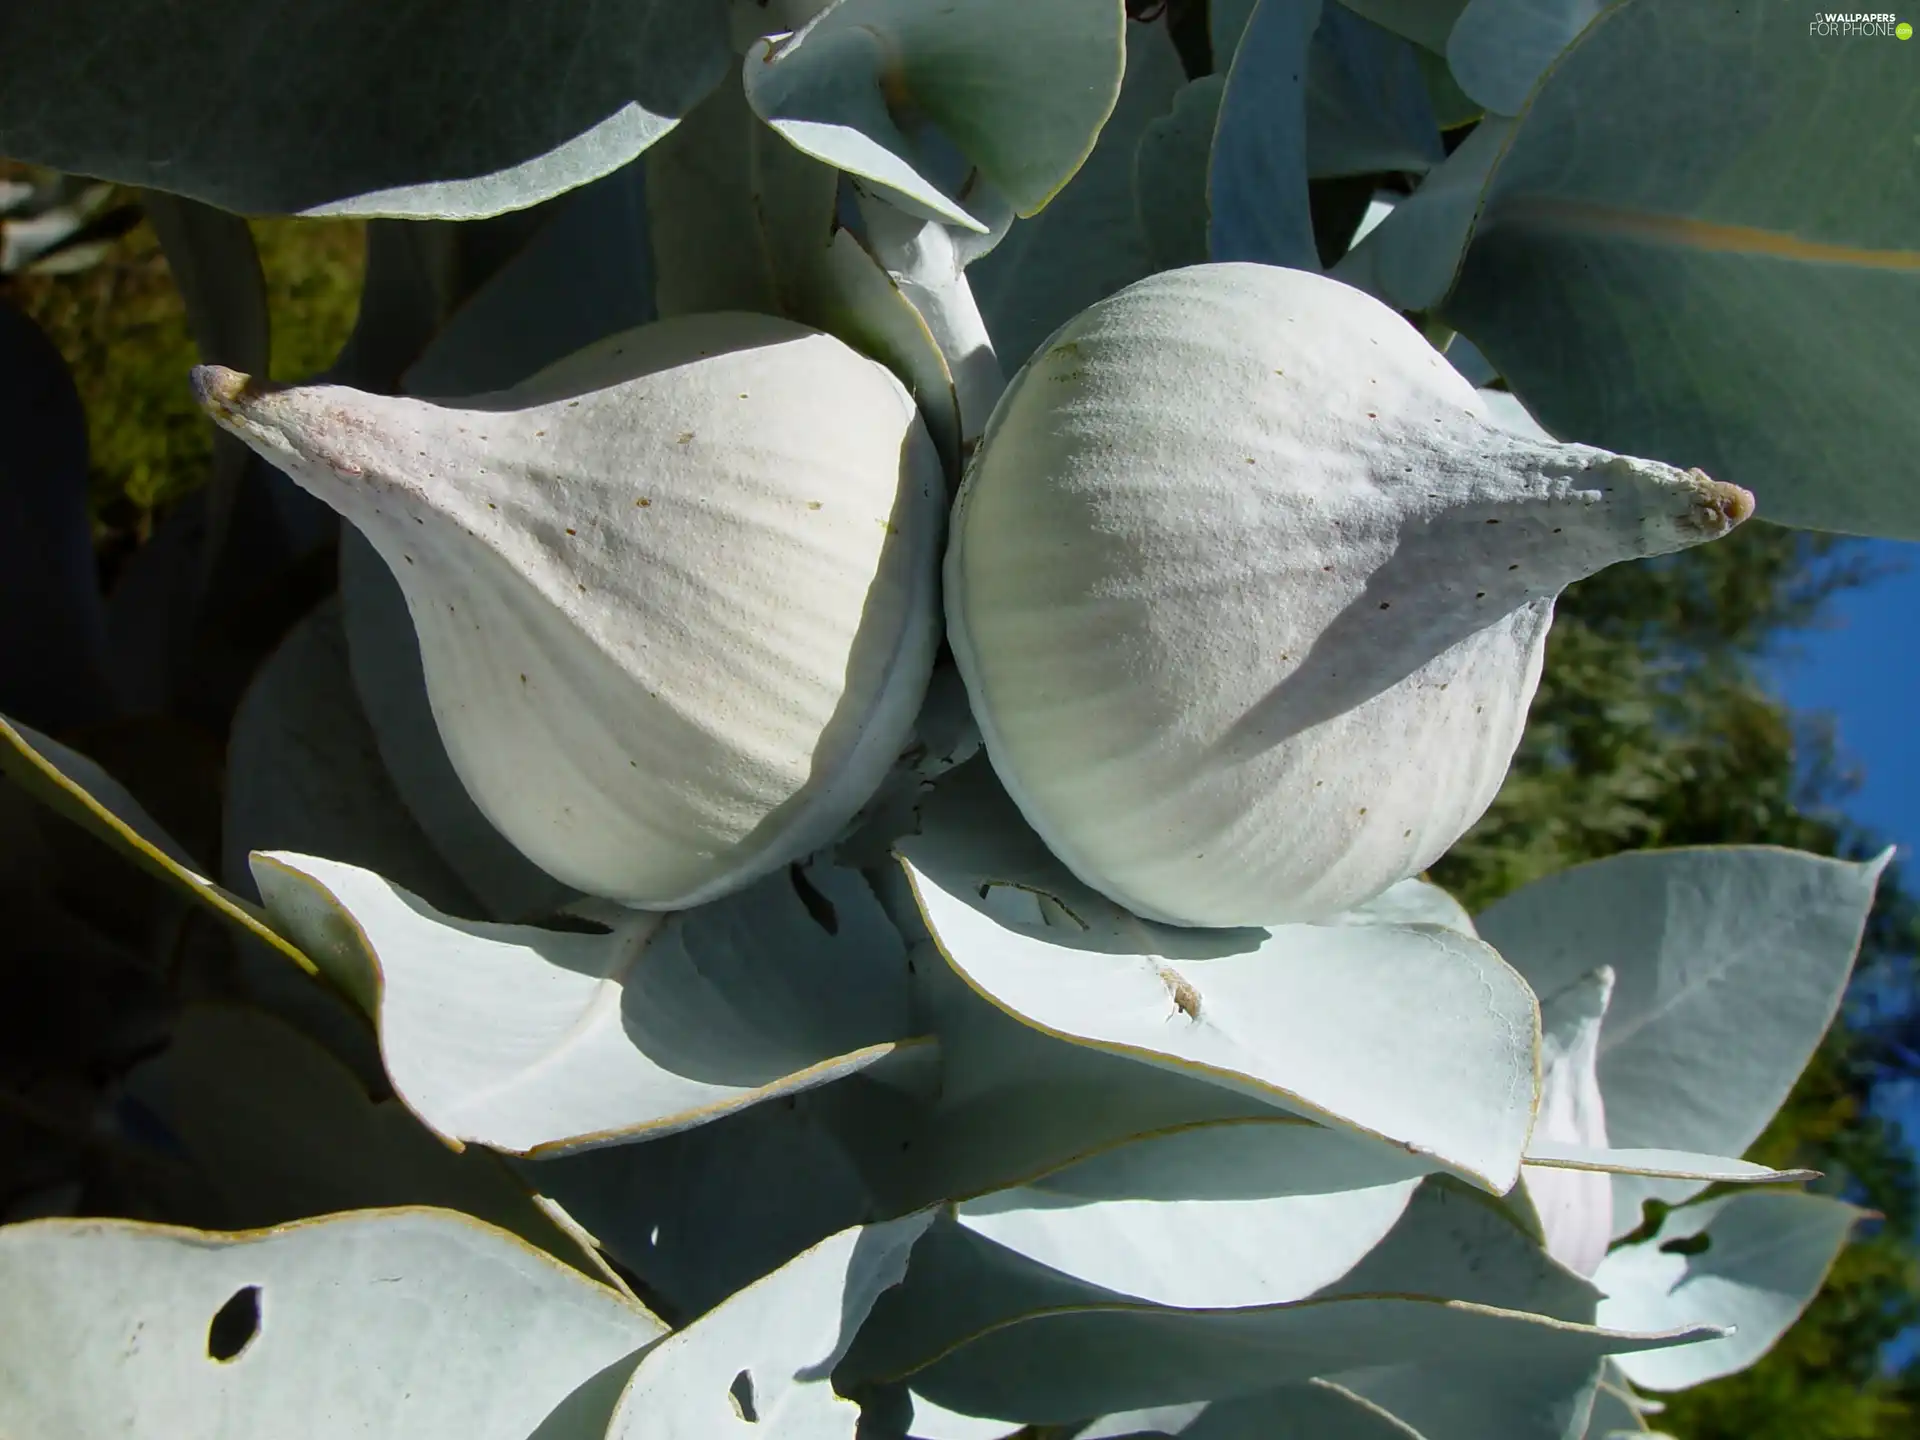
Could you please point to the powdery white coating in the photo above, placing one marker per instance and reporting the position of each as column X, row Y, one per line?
column 676, row 595
column 1251, row 598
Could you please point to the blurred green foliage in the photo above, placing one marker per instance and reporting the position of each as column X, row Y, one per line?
column 123, row 329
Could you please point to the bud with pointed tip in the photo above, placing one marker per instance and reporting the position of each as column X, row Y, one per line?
column 676, row 595
column 1575, row 1206
column 1251, row 598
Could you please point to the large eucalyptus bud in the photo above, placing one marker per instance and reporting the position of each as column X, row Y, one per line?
column 676, row 596
column 1251, row 597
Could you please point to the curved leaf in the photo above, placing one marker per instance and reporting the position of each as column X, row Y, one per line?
column 701, row 1213
column 584, row 275
column 1498, row 49
column 1658, row 1164
column 1471, row 1402
column 1338, row 1023
column 1410, row 258
column 417, row 112
column 68, row 782
column 1412, row 901
column 1729, row 964
column 1088, row 242
column 985, row 1332
column 1425, row 22
column 1698, row 281
column 1257, row 174
column 1367, row 104
column 1767, row 1254
column 1316, row 1410
column 304, row 774
column 1234, row 1213
column 764, row 1356
column 1019, row 90
column 415, row 1322
column 1170, row 175
column 280, row 1130
column 535, row 1041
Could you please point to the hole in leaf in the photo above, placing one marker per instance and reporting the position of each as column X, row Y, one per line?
column 234, row 1325
column 741, row 1390
column 1690, row 1245
column 818, row 906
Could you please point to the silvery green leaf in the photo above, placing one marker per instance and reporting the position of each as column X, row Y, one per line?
column 1226, row 24
column 1412, row 901
column 1465, row 357
column 1464, row 1401
column 1613, row 1412
column 304, row 773
column 1425, row 22
column 701, row 1213
column 585, row 274
column 1337, row 1023
column 1367, row 105
column 1410, row 258
column 280, row 1130
column 1499, row 49
column 420, row 1323
column 419, row 112
column 763, row 1357
column 215, row 265
column 76, row 787
column 929, row 1421
column 1020, row 92
column 1194, row 1217
column 1257, row 172
column 1729, row 963
column 1767, row 1253
column 1658, row 1164
column 1014, row 1102
column 1464, row 1246
column 1170, row 189
column 1758, row 294
column 1088, row 242
column 534, row 1041
column 722, row 240
column 1314, row 1410
column 986, row 1332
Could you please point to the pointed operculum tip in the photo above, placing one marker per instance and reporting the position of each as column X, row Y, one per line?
column 1718, row 506
column 228, row 394
column 218, row 388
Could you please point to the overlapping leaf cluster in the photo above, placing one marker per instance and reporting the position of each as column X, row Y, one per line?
column 920, row 1135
